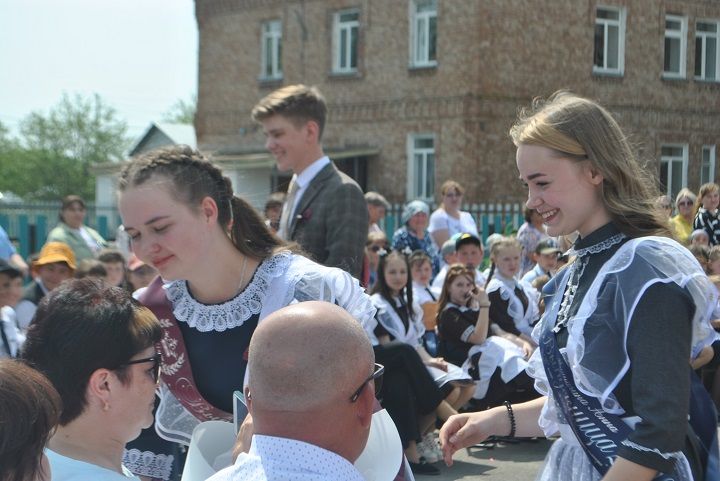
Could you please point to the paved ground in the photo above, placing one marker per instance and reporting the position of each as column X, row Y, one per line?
column 506, row 462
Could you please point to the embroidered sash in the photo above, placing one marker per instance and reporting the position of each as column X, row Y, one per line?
column 598, row 432
column 176, row 372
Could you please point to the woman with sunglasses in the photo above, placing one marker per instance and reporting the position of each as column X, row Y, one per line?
column 682, row 223
column 96, row 344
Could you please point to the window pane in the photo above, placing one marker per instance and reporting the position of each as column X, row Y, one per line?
column 426, row 6
column 673, row 25
column 608, row 14
column 268, row 57
column 710, row 57
column 664, row 176
column 353, row 47
column 698, row 56
column 349, row 16
column 430, row 175
column 613, row 51
column 424, row 143
column 418, row 175
column 705, row 173
column 672, row 55
column 599, row 54
column 676, row 184
column 706, row 27
column 432, row 38
column 706, row 155
column 343, row 49
column 667, row 151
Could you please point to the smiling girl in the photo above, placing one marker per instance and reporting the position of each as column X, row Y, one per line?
column 221, row 272
column 620, row 323
column 706, row 217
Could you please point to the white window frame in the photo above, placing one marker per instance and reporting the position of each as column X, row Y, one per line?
column 413, row 173
column 419, row 32
column 704, row 36
column 344, row 29
column 669, row 159
column 606, row 23
column 271, row 33
column 710, row 164
column 680, row 35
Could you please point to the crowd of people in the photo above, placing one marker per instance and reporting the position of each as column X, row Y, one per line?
column 602, row 304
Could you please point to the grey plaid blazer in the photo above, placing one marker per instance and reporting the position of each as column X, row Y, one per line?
column 331, row 221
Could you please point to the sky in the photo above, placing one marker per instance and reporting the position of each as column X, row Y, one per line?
column 140, row 56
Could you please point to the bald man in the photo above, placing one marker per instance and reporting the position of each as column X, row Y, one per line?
column 311, row 396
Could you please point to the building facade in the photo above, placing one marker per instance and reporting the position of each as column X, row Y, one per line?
column 421, row 91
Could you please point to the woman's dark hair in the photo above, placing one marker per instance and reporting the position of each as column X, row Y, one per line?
column 69, row 201
column 84, row 325
column 29, row 411
column 90, row 268
column 193, row 178
column 111, row 256
column 382, row 288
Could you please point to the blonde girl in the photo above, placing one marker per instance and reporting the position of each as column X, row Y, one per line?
column 514, row 304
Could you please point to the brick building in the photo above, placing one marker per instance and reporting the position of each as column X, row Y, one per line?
column 425, row 90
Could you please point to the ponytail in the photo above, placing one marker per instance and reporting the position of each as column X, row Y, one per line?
column 490, row 275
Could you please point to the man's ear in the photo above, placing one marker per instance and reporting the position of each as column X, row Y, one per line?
column 366, row 407
column 248, row 399
column 313, row 131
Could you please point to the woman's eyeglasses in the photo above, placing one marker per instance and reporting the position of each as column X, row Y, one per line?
column 685, row 203
column 375, row 376
column 453, row 194
column 157, row 365
column 376, row 248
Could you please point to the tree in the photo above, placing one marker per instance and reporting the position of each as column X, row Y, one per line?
column 182, row 112
column 54, row 154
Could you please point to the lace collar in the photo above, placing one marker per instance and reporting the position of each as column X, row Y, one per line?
column 601, row 239
column 231, row 313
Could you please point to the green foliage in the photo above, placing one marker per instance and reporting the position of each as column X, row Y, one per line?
column 53, row 156
column 182, row 112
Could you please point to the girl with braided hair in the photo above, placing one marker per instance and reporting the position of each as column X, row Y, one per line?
column 221, row 272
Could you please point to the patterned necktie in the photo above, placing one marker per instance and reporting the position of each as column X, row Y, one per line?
column 286, row 217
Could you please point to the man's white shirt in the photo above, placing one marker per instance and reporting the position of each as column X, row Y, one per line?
column 282, row 459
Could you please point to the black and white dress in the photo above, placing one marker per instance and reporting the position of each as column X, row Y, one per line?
column 633, row 313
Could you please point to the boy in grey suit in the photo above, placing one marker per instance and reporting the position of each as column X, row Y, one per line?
column 325, row 210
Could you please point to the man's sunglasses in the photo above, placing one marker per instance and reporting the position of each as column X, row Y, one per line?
column 375, row 376
column 377, row 248
column 157, row 365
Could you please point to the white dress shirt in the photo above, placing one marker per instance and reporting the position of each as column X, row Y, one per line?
column 282, row 459
column 305, row 177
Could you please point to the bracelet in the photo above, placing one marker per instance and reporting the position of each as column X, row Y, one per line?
column 511, row 415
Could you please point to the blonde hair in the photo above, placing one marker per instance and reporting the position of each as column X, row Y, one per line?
column 497, row 246
column 449, row 185
column 714, row 253
column 580, row 130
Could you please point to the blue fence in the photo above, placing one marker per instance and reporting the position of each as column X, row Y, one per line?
column 490, row 218
column 28, row 224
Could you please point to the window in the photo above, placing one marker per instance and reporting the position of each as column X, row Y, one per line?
column 346, row 25
column 707, row 164
column 675, row 46
column 421, row 166
column 707, row 56
column 673, row 168
column 423, row 28
column 609, row 53
column 271, row 62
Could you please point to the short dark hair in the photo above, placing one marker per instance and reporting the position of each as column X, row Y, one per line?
column 110, row 256
column 29, row 411
column 90, row 268
column 298, row 103
column 85, row 325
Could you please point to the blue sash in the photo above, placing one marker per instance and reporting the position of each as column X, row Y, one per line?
column 600, row 433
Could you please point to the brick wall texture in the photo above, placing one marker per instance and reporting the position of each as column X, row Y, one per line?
column 493, row 57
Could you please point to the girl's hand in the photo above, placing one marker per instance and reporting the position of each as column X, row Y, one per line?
column 528, row 349
column 477, row 297
column 438, row 363
column 463, row 430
